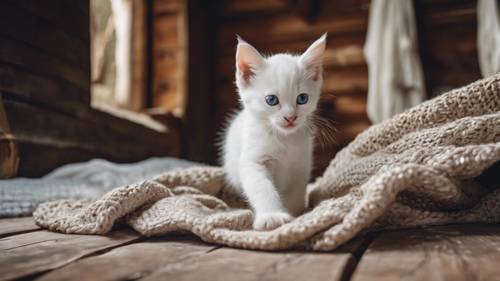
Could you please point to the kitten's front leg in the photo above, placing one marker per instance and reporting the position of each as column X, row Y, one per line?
column 263, row 197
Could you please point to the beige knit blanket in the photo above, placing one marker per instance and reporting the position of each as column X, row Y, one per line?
column 418, row 168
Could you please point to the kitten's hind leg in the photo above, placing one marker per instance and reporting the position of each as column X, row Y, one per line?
column 263, row 197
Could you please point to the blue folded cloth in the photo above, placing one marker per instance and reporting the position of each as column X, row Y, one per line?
column 20, row 196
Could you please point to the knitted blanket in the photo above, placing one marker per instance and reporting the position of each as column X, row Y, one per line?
column 419, row 168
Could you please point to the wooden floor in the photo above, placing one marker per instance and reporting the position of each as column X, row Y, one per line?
column 459, row 252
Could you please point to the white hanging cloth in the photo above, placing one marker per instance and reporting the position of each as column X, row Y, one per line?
column 123, row 16
column 395, row 73
column 488, row 37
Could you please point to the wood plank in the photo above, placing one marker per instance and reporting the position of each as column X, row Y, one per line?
column 289, row 27
column 166, row 30
column 26, row 85
column 139, row 64
column 342, row 58
column 439, row 23
column 167, row 7
column 342, row 80
column 186, row 258
column 54, row 155
column 456, row 252
column 100, row 132
column 354, row 105
column 9, row 161
column 293, row 44
column 233, row 9
column 63, row 138
column 237, row 10
column 453, row 15
column 18, row 24
column 28, row 57
column 235, row 264
column 61, row 14
column 445, row 4
column 199, row 139
column 28, row 254
column 134, row 261
column 337, row 8
column 170, row 59
column 13, row 226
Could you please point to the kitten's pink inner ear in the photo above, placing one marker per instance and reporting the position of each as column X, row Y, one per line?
column 312, row 58
column 248, row 60
column 245, row 71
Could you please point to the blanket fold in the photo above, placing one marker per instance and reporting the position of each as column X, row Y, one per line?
column 417, row 168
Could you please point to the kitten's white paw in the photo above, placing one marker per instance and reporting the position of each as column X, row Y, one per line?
column 270, row 221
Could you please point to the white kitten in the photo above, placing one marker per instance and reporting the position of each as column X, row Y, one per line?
column 268, row 145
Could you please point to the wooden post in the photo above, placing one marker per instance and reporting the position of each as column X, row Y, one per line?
column 199, row 131
column 9, row 160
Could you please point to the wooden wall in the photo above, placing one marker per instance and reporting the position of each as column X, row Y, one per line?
column 447, row 31
column 46, row 47
column 290, row 26
column 448, row 48
column 183, row 77
column 169, row 55
column 45, row 85
column 447, row 42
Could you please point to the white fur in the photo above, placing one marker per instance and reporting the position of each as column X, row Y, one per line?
column 268, row 162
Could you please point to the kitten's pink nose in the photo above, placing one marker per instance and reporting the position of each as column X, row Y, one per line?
column 290, row 119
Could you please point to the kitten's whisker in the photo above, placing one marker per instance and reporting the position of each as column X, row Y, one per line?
column 323, row 130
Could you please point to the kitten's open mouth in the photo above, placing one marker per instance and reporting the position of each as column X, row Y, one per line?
column 289, row 125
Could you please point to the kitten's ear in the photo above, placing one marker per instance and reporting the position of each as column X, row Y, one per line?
column 248, row 60
column 312, row 58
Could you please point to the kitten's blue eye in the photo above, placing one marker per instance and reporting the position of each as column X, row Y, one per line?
column 272, row 100
column 302, row 98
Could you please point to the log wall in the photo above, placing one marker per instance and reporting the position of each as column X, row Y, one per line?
column 45, row 85
column 169, row 55
column 447, row 42
column 291, row 26
column 447, row 38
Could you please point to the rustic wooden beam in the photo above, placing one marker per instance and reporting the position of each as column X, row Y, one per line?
column 199, row 132
column 14, row 226
column 60, row 14
column 32, row 253
column 9, row 160
column 40, row 58
column 19, row 25
column 309, row 10
column 447, row 66
column 49, row 138
column 186, row 258
column 24, row 84
column 138, row 260
column 455, row 252
column 169, row 51
column 29, row 58
column 288, row 27
column 45, row 84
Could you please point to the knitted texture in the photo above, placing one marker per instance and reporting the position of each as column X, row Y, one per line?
column 418, row 168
